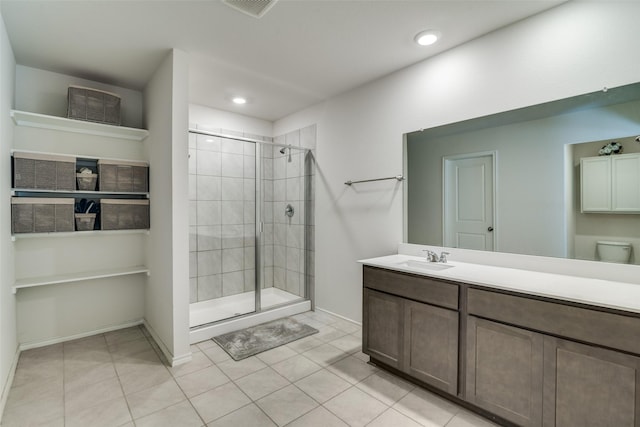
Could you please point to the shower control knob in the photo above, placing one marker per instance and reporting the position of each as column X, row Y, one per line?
column 289, row 211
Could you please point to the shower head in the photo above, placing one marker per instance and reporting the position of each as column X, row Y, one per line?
column 283, row 150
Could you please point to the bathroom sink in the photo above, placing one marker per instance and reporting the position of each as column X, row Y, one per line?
column 425, row 265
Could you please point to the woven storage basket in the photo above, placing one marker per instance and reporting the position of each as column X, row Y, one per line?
column 85, row 222
column 93, row 105
column 87, row 181
column 41, row 215
column 44, row 171
column 116, row 175
column 124, row 214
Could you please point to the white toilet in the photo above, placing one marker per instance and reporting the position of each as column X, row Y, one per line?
column 619, row 252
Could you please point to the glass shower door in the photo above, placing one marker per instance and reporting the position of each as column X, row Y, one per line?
column 222, row 192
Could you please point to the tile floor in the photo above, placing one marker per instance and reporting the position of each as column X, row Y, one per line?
column 118, row 379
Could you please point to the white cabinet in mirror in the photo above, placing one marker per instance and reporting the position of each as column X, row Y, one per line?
column 610, row 184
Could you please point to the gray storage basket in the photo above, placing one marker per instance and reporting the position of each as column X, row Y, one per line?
column 93, row 105
column 87, row 181
column 44, row 171
column 124, row 214
column 85, row 221
column 41, row 215
column 123, row 176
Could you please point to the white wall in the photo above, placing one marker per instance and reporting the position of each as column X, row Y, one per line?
column 210, row 119
column 167, row 292
column 553, row 55
column 45, row 92
column 8, row 339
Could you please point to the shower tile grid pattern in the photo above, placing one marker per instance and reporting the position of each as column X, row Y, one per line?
column 222, row 217
column 289, row 242
column 118, row 379
column 222, row 214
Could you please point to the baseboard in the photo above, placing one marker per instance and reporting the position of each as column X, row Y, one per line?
column 170, row 358
column 37, row 344
column 7, row 386
column 337, row 315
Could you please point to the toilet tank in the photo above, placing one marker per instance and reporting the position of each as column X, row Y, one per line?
column 619, row 252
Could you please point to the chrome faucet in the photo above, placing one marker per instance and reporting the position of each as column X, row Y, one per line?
column 431, row 256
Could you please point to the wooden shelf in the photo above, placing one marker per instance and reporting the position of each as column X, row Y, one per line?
column 76, row 277
column 43, row 121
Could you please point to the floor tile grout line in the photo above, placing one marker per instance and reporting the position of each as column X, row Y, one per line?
column 124, row 395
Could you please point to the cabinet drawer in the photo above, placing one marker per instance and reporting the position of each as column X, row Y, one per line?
column 600, row 328
column 417, row 288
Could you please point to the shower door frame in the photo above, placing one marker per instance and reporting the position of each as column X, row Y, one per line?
column 259, row 226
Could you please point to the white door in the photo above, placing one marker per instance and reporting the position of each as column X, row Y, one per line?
column 468, row 201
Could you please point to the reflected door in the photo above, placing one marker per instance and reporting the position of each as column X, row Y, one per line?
column 469, row 202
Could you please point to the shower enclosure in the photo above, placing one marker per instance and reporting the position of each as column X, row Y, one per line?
column 250, row 224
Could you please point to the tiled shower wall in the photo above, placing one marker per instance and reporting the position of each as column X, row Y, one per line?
column 222, row 217
column 222, row 214
column 289, row 242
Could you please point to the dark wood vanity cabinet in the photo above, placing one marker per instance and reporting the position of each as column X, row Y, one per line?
column 526, row 366
column 383, row 330
column 504, row 371
column 589, row 386
column 415, row 337
column 530, row 361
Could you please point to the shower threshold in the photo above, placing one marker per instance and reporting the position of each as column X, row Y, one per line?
column 204, row 312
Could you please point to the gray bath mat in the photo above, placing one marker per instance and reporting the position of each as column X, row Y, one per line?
column 256, row 339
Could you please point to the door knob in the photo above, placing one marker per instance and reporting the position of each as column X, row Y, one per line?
column 490, row 229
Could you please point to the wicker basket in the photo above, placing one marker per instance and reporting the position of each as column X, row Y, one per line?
column 44, row 171
column 87, row 181
column 93, row 105
column 85, row 222
column 124, row 214
column 41, row 215
column 121, row 176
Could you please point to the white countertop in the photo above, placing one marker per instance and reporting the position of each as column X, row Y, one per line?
column 597, row 292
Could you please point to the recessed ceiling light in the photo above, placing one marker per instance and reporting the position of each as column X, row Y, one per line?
column 426, row 38
column 239, row 100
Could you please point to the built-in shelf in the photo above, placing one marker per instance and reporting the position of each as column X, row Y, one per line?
column 74, row 234
column 77, row 277
column 77, row 193
column 43, row 121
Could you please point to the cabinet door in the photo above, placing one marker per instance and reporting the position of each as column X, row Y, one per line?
column 589, row 386
column 504, row 371
column 595, row 184
column 625, row 190
column 382, row 331
column 431, row 345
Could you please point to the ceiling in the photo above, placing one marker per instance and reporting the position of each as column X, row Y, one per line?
column 299, row 53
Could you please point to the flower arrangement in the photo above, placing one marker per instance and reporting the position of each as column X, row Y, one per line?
column 611, row 148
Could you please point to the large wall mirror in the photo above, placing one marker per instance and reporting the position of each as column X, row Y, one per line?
column 511, row 182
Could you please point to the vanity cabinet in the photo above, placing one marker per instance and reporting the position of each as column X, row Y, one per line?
column 504, row 370
column 431, row 345
column 383, row 327
column 610, row 184
column 519, row 358
column 410, row 323
column 589, row 386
